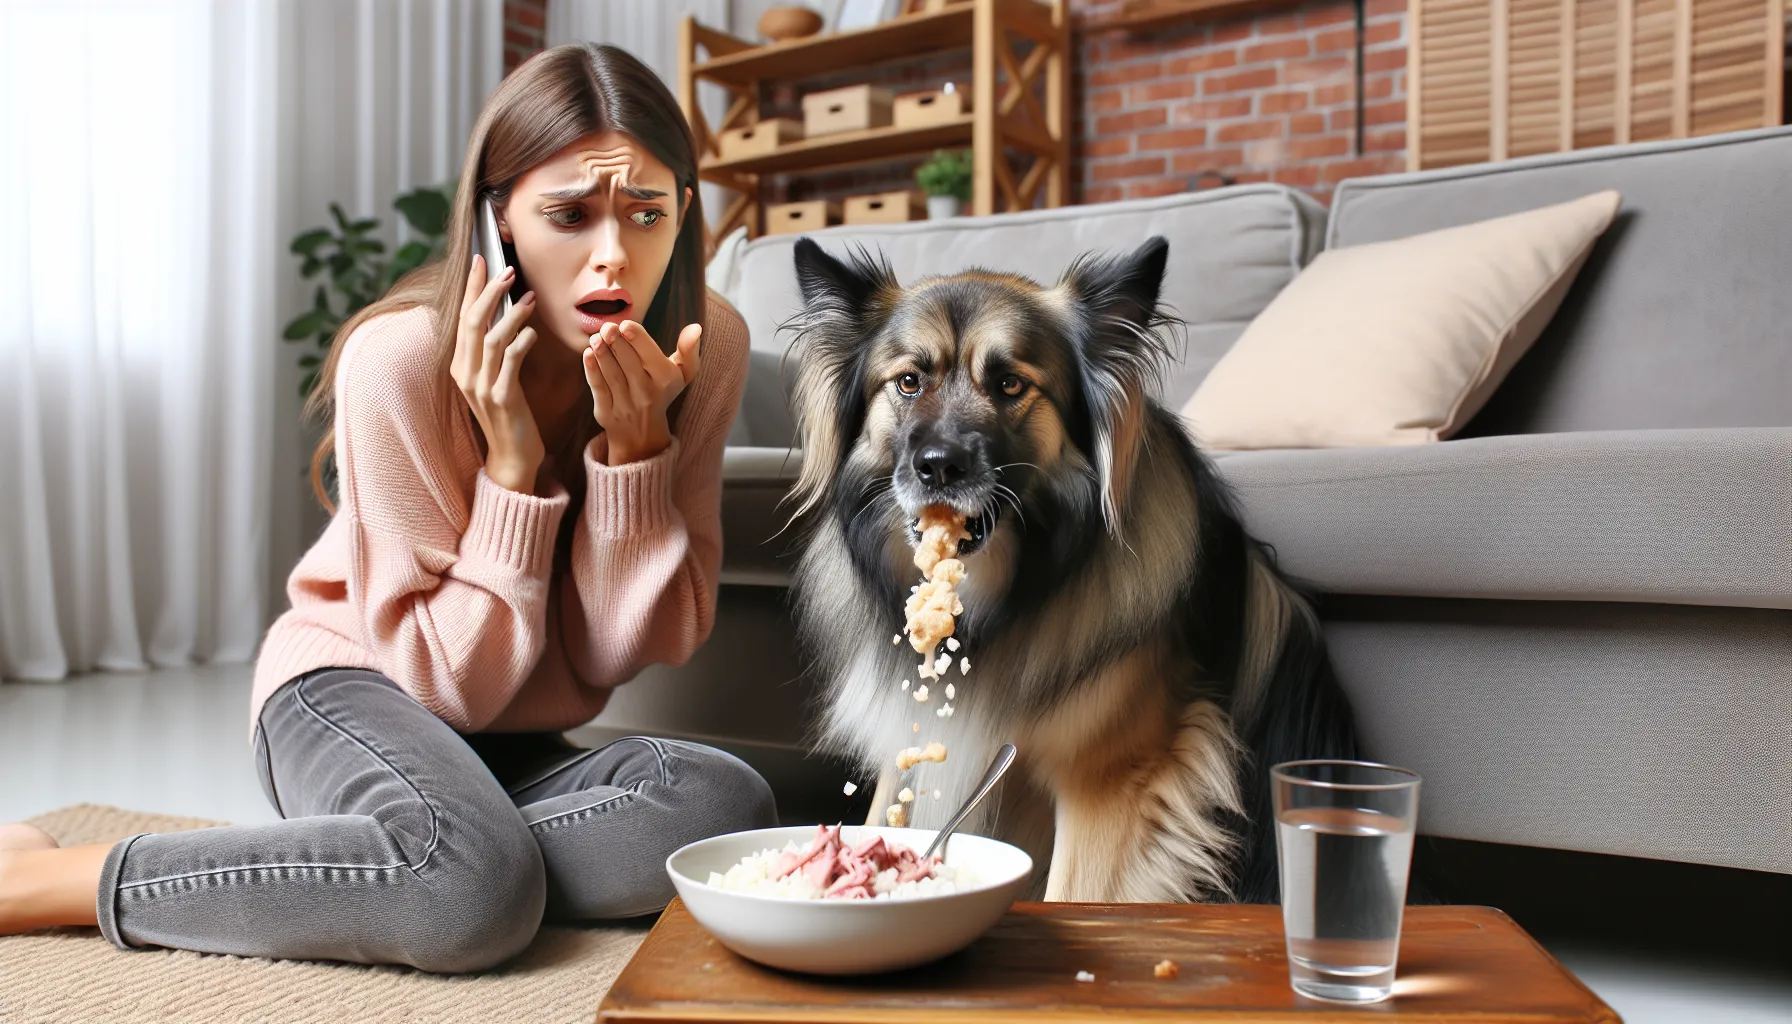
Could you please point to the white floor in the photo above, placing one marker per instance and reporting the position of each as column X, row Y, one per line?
column 176, row 741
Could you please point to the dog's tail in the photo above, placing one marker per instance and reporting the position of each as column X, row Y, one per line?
column 1286, row 706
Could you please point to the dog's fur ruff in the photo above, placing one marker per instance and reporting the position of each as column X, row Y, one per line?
column 1138, row 647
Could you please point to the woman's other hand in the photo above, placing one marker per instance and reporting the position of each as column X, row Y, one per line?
column 633, row 383
column 486, row 366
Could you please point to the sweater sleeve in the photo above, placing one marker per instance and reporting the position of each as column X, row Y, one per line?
column 647, row 549
column 453, row 599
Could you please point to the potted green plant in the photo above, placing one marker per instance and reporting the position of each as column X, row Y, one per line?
column 946, row 178
column 357, row 271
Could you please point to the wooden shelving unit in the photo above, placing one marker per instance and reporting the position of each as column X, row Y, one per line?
column 1017, row 103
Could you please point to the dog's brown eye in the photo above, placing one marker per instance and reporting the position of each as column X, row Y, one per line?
column 1012, row 386
column 909, row 383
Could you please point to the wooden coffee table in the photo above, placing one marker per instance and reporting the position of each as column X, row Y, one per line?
column 1457, row 964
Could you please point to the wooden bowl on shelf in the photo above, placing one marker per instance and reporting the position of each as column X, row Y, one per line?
column 782, row 24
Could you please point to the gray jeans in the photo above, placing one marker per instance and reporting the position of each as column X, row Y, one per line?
column 408, row 843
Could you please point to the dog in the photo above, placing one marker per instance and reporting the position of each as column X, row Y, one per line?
column 1141, row 650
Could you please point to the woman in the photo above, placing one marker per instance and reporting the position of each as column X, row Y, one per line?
column 529, row 516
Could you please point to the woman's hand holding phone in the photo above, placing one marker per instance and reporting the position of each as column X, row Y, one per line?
column 487, row 366
column 633, row 383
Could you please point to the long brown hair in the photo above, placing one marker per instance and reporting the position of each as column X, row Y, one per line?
column 554, row 99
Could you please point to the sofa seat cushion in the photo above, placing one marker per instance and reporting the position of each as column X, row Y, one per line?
column 1669, row 516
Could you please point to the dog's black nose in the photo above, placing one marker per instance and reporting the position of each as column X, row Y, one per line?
column 941, row 465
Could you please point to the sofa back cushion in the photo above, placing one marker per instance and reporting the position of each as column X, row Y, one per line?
column 1231, row 251
column 1682, row 315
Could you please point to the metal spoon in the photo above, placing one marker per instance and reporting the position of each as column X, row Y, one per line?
column 1004, row 757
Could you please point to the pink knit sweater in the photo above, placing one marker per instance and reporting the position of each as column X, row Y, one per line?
column 442, row 580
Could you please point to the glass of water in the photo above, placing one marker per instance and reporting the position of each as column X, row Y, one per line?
column 1344, row 832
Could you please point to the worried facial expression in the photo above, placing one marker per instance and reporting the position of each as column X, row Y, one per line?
column 594, row 227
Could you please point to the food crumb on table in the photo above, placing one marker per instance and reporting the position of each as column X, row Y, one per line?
column 1166, row 969
column 1084, row 976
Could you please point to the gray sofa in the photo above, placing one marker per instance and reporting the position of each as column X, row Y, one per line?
column 1575, row 621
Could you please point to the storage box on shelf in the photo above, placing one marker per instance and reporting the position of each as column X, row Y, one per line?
column 760, row 139
column 796, row 218
column 929, row 106
column 1018, row 102
column 851, row 109
column 885, row 207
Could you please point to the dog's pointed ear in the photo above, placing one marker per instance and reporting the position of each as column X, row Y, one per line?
column 1123, row 286
column 845, row 301
column 826, row 279
column 1122, row 350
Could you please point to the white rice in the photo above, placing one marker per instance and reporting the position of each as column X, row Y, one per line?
column 753, row 874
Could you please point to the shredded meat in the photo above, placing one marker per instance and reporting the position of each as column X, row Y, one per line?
column 850, row 873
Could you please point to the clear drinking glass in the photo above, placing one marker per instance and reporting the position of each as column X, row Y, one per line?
column 1344, row 832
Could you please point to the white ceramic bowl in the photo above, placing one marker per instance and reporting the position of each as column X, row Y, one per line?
column 847, row 936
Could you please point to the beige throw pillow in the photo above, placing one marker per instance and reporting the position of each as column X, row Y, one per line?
column 1397, row 342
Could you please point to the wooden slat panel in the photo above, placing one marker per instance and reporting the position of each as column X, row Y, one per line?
column 1490, row 79
column 1453, row 45
column 1535, row 61
column 1727, row 63
column 1652, row 71
column 1596, row 72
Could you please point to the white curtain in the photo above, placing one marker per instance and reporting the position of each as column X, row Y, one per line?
column 136, row 295
column 156, row 156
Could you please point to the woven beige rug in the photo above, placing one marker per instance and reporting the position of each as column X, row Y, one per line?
column 73, row 975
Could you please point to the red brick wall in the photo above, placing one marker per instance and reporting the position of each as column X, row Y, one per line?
column 1271, row 98
column 525, row 31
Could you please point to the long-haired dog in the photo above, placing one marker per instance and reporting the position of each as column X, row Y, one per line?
column 1139, row 648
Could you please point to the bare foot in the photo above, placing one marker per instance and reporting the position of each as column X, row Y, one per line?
column 17, row 837
column 20, row 836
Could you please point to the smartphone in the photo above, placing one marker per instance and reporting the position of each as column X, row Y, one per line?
column 489, row 243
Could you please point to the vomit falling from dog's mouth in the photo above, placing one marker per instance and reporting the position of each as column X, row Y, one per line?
column 979, row 526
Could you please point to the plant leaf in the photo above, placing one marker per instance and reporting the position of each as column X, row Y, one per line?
column 341, row 218
column 302, row 326
column 424, row 209
column 306, row 243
